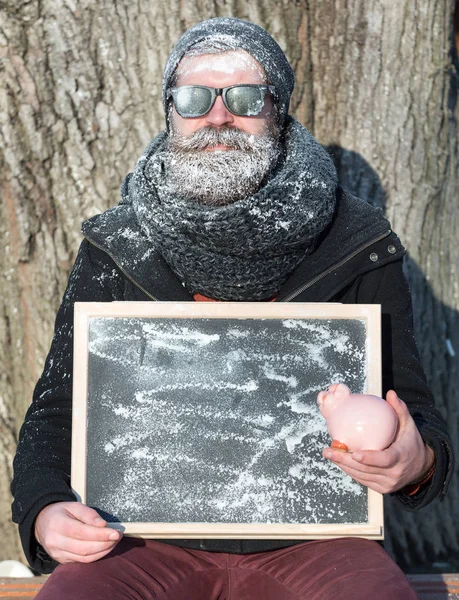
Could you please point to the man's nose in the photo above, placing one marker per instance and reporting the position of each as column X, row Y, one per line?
column 219, row 114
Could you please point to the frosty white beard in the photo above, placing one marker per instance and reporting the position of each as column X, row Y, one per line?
column 220, row 177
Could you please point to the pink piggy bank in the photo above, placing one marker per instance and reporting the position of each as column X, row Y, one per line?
column 357, row 421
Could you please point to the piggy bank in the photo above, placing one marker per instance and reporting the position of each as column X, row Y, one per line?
column 357, row 421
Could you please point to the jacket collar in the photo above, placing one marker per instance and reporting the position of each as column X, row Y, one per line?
column 355, row 227
column 147, row 268
column 346, row 249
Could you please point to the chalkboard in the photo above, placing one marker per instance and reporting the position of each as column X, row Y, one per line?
column 200, row 419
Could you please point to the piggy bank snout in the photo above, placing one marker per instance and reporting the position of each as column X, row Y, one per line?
column 331, row 398
column 327, row 403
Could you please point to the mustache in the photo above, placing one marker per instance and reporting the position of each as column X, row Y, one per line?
column 212, row 136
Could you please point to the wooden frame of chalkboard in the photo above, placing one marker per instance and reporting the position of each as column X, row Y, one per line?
column 307, row 320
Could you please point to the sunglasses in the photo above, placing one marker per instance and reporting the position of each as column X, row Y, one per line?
column 246, row 100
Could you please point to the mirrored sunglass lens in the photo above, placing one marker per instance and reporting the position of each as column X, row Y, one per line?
column 247, row 101
column 192, row 102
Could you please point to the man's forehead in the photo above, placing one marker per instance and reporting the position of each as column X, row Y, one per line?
column 233, row 62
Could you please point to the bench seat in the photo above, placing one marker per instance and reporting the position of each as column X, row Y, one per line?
column 429, row 587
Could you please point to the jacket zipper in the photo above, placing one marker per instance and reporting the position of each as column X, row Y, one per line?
column 123, row 271
column 288, row 298
column 307, row 285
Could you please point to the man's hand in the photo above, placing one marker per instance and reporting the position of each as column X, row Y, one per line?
column 73, row 532
column 405, row 461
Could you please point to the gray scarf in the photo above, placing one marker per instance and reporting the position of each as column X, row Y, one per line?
column 247, row 249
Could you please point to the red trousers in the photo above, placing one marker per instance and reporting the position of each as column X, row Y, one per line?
column 338, row 569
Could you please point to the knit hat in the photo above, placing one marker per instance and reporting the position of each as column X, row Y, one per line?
column 243, row 36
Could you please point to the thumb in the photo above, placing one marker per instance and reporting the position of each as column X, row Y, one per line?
column 85, row 514
column 399, row 407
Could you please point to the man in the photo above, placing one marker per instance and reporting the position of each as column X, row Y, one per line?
column 235, row 201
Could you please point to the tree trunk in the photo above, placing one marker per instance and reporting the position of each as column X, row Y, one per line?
column 384, row 97
column 81, row 97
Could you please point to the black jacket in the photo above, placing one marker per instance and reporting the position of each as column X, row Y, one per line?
column 358, row 260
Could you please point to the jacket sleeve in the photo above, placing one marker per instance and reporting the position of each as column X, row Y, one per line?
column 402, row 372
column 42, row 462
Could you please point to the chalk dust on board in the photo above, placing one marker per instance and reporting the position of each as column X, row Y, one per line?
column 197, row 421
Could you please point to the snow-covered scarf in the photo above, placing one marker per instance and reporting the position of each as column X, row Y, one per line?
column 247, row 249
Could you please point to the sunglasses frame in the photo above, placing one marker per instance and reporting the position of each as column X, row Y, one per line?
column 215, row 92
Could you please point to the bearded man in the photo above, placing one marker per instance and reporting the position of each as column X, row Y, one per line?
column 235, row 201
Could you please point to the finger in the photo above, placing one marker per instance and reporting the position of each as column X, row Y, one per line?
column 364, row 478
column 365, row 460
column 384, row 459
column 82, row 548
column 68, row 557
column 80, row 531
column 85, row 514
column 399, row 406
column 379, row 483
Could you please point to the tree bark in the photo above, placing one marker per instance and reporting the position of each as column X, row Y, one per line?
column 81, row 97
column 385, row 101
